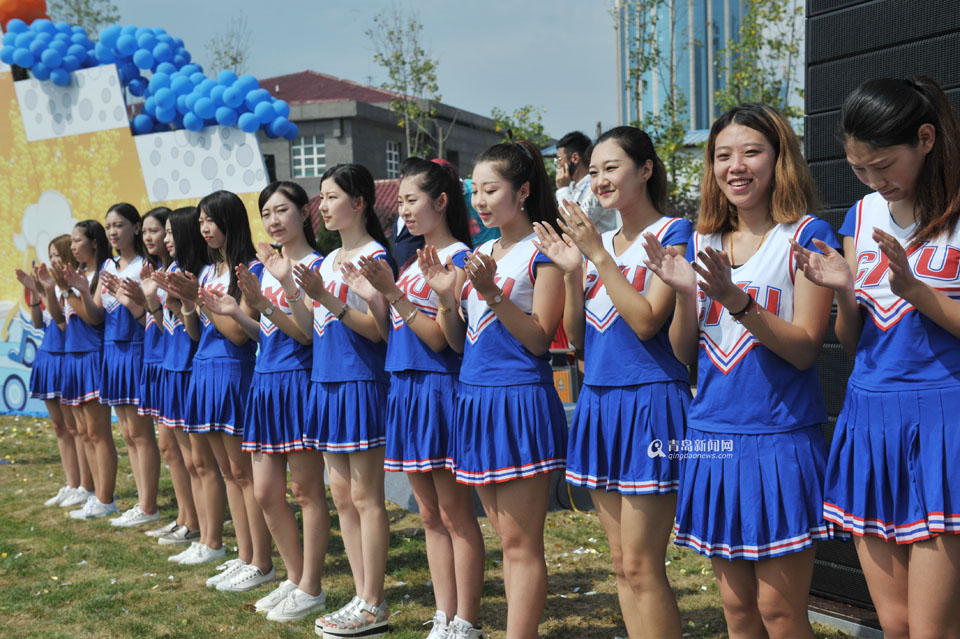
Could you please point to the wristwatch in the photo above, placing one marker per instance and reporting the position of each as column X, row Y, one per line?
column 268, row 311
column 496, row 299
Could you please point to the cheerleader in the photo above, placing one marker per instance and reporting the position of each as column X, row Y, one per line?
column 219, row 385
column 82, row 363
column 276, row 406
column 753, row 457
column 123, row 359
column 147, row 295
column 348, row 392
column 188, row 255
column 510, row 425
column 45, row 375
column 421, row 400
column 635, row 390
column 891, row 476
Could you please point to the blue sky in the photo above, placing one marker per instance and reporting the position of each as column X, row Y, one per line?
column 558, row 54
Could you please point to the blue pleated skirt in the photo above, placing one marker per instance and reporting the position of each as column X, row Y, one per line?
column 420, row 413
column 45, row 375
column 120, row 373
column 150, row 394
column 345, row 417
column 217, row 395
column 894, row 467
column 80, row 382
column 276, row 412
column 507, row 432
column 751, row 496
column 620, row 437
column 174, row 398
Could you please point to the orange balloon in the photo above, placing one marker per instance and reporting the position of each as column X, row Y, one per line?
column 26, row 10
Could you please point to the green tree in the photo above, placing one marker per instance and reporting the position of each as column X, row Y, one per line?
column 524, row 123
column 766, row 59
column 92, row 15
column 412, row 76
column 230, row 48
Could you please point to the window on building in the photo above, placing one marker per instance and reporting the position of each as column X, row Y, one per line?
column 308, row 156
column 393, row 160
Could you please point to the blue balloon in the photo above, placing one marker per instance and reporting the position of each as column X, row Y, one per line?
column 137, row 86
column 139, row 31
column 63, row 27
column 182, row 108
column 232, row 97
column 264, row 112
column 71, row 62
column 79, row 29
column 216, row 94
column 40, row 71
column 43, row 25
column 166, row 99
column 77, row 50
column 178, row 121
column 181, row 84
column 204, row 107
column 147, row 40
column 159, row 81
column 23, row 58
column 103, row 53
column 248, row 122
column 162, row 36
column 278, row 126
column 126, row 45
column 6, row 54
column 150, row 106
column 227, row 77
column 293, row 132
column 16, row 25
column 166, row 67
column 255, row 97
column 180, row 60
column 191, row 100
column 36, row 48
column 9, row 38
column 246, row 83
column 60, row 47
column 192, row 122
column 226, row 116
column 206, row 86
column 78, row 38
column 51, row 58
column 166, row 114
column 142, row 123
column 197, row 77
column 162, row 52
column 190, row 69
column 177, row 43
column 23, row 40
column 143, row 59
column 108, row 36
column 60, row 77
column 128, row 71
column 183, row 53
column 282, row 108
column 128, row 29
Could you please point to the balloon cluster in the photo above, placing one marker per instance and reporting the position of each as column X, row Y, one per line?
column 177, row 93
column 50, row 50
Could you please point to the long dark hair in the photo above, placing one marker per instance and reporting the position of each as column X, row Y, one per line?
column 94, row 232
column 435, row 179
column 639, row 148
column 355, row 180
column 887, row 112
column 160, row 214
column 129, row 213
column 227, row 211
column 298, row 196
column 188, row 242
column 520, row 162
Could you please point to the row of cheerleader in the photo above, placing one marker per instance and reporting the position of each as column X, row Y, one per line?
column 261, row 360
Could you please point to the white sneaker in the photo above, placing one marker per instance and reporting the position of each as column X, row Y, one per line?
column 182, row 535
column 175, row 559
column 246, row 578
column 297, row 605
column 163, row 530
column 265, row 604
column 77, row 497
column 226, row 569
column 136, row 516
column 60, row 496
column 463, row 629
column 94, row 508
column 203, row 555
column 441, row 629
column 81, row 513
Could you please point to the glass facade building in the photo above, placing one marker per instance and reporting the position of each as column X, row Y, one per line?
column 692, row 36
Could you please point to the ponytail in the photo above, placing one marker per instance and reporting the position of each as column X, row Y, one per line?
column 521, row 162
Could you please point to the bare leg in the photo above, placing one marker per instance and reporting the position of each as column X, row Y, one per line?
column 241, row 469
column 306, row 474
column 460, row 519
column 97, row 419
column 170, row 451
column 196, row 486
column 66, row 444
column 737, row 580
column 934, row 588
column 783, row 585
column 214, row 492
column 270, row 488
column 238, row 508
column 142, row 434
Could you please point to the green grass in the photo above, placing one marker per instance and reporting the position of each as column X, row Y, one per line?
column 61, row 578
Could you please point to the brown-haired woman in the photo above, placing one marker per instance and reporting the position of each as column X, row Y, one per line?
column 752, row 462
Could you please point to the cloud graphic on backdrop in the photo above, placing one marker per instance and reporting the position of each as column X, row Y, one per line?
column 44, row 220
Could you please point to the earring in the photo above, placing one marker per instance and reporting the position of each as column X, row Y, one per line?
column 522, row 203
